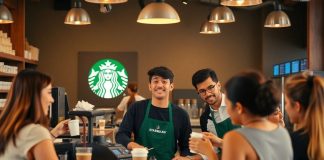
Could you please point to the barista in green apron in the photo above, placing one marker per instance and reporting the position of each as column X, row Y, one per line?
column 159, row 135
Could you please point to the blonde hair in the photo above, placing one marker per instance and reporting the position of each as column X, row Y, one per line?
column 308, row 90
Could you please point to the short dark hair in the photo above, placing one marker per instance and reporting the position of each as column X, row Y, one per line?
column 201, row 75
column 258, row 96
column 161, row 71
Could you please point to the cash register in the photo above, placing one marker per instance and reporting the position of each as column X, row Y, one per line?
column 101, row 150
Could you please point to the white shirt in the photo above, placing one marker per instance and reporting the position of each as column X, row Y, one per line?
column 123, row 104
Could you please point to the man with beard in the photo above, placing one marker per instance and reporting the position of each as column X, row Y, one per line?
column 156, row 123
column 215, row 118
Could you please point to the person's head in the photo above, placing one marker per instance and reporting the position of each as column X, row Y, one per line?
column 304, row 99
column 160, row 82
column 249, row 94
column 207, row 85
column 132, row 88
column 276, row 116
column 27, row 102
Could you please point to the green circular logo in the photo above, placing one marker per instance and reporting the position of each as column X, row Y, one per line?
column 108, row 78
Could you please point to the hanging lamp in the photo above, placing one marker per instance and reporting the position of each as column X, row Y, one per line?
column 209, row 28
column 77, row 15
column 239, row 3
column 277, row 19
column 5, row 14
column 158, row 12
column 106, row 1
column 222, row 14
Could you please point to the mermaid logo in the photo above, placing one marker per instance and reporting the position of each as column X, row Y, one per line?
column 108, row 78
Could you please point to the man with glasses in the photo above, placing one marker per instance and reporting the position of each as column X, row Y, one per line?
column 215, row 118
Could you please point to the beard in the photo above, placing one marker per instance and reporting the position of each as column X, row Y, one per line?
column 210, row 101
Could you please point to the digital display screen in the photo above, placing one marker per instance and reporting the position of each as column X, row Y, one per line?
column 287, row 68
column 303, row 64
column 275, row 70
column 116, row 152
column 295, row 66
column 281, row 69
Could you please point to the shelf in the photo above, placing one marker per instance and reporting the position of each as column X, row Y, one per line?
column 2, row 74
column 28, row 61
column 4, row 91
column 4, row 56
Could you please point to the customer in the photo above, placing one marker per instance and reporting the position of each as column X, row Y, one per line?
column 305, row 107
column 276, row 117
column 132, row 97
column 23, row 133
column 156, row 123
column 249, row 101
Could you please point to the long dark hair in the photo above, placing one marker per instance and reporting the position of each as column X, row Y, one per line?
column 23, row 105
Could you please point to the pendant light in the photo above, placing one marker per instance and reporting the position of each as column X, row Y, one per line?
column 222, row 14
column 277, row 19
column 239, row 3
column 106, row 1
column 158, row 12
column 77, row 15
column 5, row 14
column 209, row 28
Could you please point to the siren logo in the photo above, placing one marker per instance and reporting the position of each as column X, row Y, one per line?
column 108, row 78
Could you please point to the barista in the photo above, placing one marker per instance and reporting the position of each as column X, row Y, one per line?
column 156, row 123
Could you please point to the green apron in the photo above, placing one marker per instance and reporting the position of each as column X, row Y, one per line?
column 157, row 134
column 223, row 127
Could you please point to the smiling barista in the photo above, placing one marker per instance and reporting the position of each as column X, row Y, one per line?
column 156, row 123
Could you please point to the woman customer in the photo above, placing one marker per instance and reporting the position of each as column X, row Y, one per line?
column 24, row 121
column 276, row 117
column 250, row 100
column 304, row 96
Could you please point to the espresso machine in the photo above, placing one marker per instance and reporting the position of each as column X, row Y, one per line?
column 101, row 150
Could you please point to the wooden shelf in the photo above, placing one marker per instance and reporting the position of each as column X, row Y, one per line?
column 4, row 56
column 28, row 61
column 4, row 91
column 2, row 74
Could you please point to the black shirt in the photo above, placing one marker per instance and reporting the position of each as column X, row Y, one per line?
column 135, row 115
column 300, row 143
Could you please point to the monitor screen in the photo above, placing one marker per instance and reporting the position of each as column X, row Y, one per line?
column 295, row 66
column 276, row 70
column 287, row 68
column 303, row 64
column 282, row 69
column 116, row 152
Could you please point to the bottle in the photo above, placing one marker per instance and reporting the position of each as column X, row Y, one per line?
column 187, row 107
column 194, row 109
column 180, row 103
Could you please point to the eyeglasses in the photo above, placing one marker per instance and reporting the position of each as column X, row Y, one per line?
column 210, row 88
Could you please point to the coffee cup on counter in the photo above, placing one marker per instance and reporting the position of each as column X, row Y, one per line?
column 83, row 153
column 197, row 136
column 139, row 154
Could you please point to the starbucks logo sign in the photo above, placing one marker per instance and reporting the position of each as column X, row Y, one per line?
column 108, row 78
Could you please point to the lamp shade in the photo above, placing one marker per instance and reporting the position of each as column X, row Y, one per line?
column 77, row 15
column 106, row 1
column 240, row 2
column 209, row 28
column 222, row 14
column 277, row 19
column 158, row 13
column 5, row 15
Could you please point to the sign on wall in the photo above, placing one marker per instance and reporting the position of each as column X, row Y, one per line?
column 107, row 78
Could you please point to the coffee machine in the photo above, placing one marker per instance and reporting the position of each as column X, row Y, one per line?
column 101, row 150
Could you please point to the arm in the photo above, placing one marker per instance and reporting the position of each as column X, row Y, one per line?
column 184, row 130
column 60, row 128
column 40, row 153
column 234, row 143
column 203, row 146
column 216, row 141
column 204, row 119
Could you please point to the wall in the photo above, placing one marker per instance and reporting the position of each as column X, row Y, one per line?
column 178, row 46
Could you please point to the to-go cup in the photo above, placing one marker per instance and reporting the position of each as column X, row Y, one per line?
column 139, row 154
column 74, row 127
column 196, row 135
column 83, row 153
column 102, row 124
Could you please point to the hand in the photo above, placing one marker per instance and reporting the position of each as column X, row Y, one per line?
column 60, row 128
column 203, row 146
column 216, row 141
column 132, row 145
column 180, row 158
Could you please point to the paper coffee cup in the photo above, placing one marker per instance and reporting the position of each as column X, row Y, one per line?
column 196, row 135
column 74, row 127
column 139, row 153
